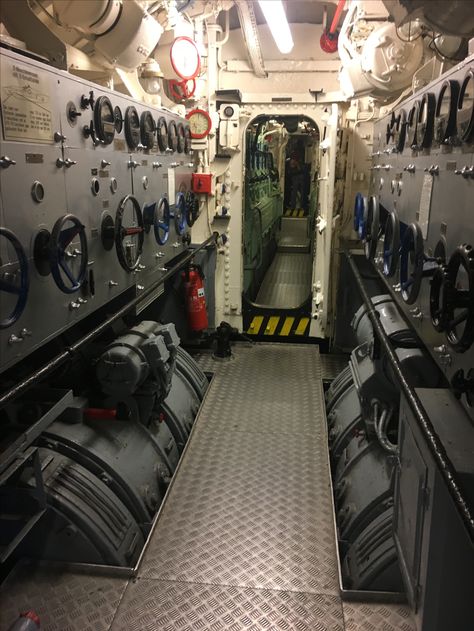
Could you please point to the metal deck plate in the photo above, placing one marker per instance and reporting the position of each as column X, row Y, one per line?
column 377, row 617
column 332, row 365
column 151, row 605
column 64, row 601
column 287, row 283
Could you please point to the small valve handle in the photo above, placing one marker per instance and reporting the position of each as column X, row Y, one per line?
column 20, row 289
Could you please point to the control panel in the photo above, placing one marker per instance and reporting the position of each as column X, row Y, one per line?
column 95, row 199
column 417, row 224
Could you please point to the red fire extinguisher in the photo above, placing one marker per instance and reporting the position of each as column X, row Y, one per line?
column 195, row 298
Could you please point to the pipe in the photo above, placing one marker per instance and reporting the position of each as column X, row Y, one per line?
column 57, row 361
column 337, row 16
column 433, row 442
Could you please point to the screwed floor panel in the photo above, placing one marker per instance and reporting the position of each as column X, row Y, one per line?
column 193, row 607
column 64, row 601
column 287, row 283
column 332, row 365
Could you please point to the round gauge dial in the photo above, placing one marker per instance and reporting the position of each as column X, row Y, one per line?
column 187, row 139
column 184, row 57
column 104, row 120
column 147, row 129
column 132, row 127
column 466, row 108
column 162, row 132
column 426, row 120
column 200, row 123
column 412, row 122
column 118, row 119
column 181, row 137
column 172, row 136
column 445, row 114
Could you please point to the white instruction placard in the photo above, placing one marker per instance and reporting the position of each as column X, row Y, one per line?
column 171, row 186
column 425, row 204
column 26, row 103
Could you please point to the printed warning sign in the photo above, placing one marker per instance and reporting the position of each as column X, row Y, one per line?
column 26, row 103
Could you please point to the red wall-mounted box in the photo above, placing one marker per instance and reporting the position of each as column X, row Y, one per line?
column 202, row 183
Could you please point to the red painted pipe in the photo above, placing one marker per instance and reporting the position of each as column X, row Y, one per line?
column 328, row 39
column 337, row 16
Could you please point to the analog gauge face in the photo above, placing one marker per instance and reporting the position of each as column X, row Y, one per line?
column 185, row 58
column 132, row 127
column 445, row 115
column 199, row 123
column 412, row 124
column 181, row 138
column 187, row 139
column 104, row 120
column 162, row 132
column 172, row 136
column 118, row 119
column 147, row 129
column 466, row 109
column 426, row 120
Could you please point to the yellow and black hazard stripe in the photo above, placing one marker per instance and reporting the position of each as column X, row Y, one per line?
column 294, row 213
column 279, row 325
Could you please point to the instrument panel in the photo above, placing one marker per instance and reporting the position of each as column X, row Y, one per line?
column 417, row 224
column 91, row 203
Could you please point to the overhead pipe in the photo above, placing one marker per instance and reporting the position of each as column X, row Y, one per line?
column 248, row 23
column 329, row 38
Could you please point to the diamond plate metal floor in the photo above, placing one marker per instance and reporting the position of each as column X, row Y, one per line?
column 245, row 539
column 287, row 283
column 332, row 365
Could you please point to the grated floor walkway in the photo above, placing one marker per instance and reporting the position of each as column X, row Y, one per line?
column 245, row 540
column 287, row 283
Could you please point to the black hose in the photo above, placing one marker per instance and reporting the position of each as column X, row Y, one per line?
column 54, row 363
column 432, row 440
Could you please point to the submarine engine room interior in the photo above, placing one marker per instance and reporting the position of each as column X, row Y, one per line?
column 236, row 315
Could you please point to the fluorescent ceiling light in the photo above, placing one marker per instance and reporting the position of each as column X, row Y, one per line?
column 277, row 23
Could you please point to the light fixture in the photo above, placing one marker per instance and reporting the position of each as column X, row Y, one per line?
column 277, row 23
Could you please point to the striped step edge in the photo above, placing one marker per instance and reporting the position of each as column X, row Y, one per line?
column 278, row 325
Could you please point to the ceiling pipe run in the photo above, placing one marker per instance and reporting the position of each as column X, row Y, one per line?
column 250, row 32
column 328, row 39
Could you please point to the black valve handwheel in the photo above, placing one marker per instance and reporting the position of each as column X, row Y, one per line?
column 129, row 252
column 391, row 244
column 62, row 235
column 372, row 227
column 180, row 214
column 465, row 113
column 132, row 127
column 414, row 263
column 147, row 129
column 460, row 300
column 157, row 214
column 445, row 114
column 400, row 131
column 438, row 296
column 412, row 126
column 162, row 133
column 104, row 120
column 358, row 210
column 187, row 139
column 192, row 208
column 426, row 116
column 172, row 136
column 19, row 289
column 181, row 138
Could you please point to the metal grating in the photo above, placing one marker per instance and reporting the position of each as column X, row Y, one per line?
column 287, row 283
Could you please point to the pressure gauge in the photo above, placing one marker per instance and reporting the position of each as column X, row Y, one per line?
column 200, row 123
column 179, row 59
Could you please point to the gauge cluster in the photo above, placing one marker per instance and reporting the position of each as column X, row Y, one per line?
column 92, row 205
column 417, row 224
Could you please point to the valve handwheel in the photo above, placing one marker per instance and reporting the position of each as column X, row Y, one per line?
column 414, row 263
column 391, row 244
column 20, row 289
column 438, row 295
column 460, row 298
column 358, row 210
column 180, row 214
column 129, row 251
column 62, row 236
column 372, row 227
column 192, row 208
column 157, row 214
